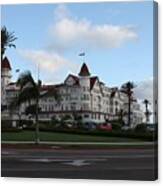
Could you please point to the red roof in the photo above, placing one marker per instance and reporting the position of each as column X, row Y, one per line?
column 50, row 87
column 75, row 78
column 47, row 87
column 84, row 70
column 5, row 64
column 113, row 91
column 92, row 81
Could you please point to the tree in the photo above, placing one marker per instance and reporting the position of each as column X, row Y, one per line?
column 121, row 114
column 31, row 109
column 127, row 89
column 147, row 112
column 7, row 39
column 30, row 92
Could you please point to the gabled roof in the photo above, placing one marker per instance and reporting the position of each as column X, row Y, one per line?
column 5, row 64
column 75, row 78
column 12, row 83
column 84, row 70
column 49, row 90
column 113, row 91
column 92, row 81
column 50, row 87
column 47, row 87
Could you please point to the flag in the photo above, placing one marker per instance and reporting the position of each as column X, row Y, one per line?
column 17, row 70
column 82, row 54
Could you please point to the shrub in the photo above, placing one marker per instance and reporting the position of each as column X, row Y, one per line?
column 116, row 125
column 6, row 124
column 141, row 128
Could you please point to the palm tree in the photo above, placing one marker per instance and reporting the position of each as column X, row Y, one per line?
column 7, row 39
column 147, row 112
column 30, row 92
column 127, row 89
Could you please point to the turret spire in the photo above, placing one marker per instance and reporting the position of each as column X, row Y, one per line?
column 84, row 70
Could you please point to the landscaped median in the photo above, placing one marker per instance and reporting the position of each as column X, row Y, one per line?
column 62, row 137
column 74, row 139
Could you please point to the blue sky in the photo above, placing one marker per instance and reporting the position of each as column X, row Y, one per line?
column 116, row 37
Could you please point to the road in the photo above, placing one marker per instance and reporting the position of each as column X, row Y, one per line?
column 132, row 164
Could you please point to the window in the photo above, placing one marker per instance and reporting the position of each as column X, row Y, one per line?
column 85, row 97
column 95, row 116
column 73, row 106
column 111, row 102
column 62, row 108
column 86, row 115
column 111, row 109
column 85, row 106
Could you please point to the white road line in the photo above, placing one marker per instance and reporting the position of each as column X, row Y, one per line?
column 47, row 160
column 77, row 163
column 80, row 143
column 86, row 157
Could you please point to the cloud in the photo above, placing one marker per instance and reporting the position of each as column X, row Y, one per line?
column 68, row 32
column 50, row 62
column 144, row 90
column 53, row 67
column 61, row 12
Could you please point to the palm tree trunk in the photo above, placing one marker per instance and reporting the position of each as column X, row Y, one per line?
column 147, row 113
column 37, row 140
column 129, row 110
column 2, row 52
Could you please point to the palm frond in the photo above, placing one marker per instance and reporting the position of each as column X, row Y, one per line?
column 25, row 78
column 7, row 39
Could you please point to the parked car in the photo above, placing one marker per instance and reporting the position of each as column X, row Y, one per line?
column 69, row 123
column 125, row 128
column 89, row 126
column 151, row 127
column 105, row 127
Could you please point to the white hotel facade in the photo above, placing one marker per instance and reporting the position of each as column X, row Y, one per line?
column 83, row 95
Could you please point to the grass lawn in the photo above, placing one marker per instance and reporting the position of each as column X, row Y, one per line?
column 54, row 136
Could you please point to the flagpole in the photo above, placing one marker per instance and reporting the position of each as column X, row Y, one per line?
column 83, row 56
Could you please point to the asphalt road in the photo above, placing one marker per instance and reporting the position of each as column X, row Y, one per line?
column 119, row 164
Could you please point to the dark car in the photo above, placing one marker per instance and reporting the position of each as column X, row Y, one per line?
column 89, row 126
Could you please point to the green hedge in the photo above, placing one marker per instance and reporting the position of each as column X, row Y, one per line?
column 11, row 130
column 149, row 136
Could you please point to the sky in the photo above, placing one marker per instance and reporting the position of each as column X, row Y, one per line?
column 117, row 38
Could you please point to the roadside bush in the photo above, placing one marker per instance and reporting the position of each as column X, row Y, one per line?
column 116, row 125
column 11, row 130
column 141, row 128
column 125, row 134
column 6, row 124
